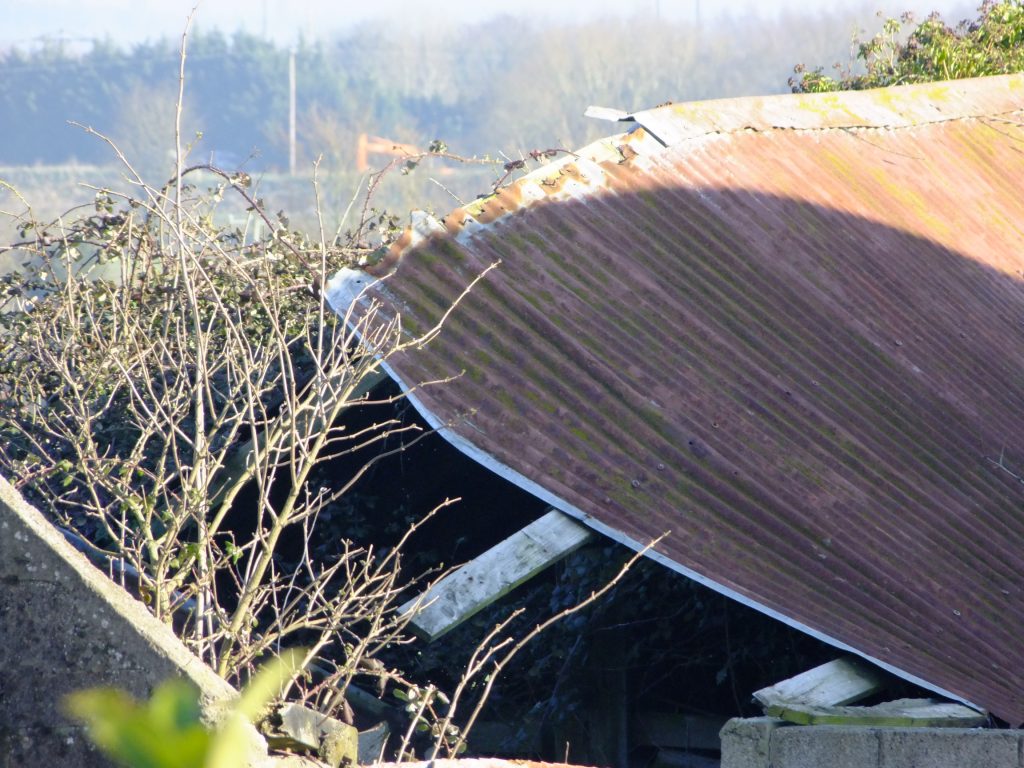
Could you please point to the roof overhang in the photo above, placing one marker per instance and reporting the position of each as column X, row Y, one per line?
column 791, row 336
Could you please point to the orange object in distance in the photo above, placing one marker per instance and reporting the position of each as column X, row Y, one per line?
column 365, row 145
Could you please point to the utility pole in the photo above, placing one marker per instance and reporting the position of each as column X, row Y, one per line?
column 291, row 112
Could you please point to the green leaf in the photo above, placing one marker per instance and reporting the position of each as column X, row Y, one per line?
column 164, row 733
column 227, row 749
column 268, row 683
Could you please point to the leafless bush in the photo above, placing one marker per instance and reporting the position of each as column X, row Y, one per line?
column 169, row 383
column 158, row 368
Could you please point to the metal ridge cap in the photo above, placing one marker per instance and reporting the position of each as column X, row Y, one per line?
column 899, row 106
column 573, row 174
column 670, row 124
column 345, row 288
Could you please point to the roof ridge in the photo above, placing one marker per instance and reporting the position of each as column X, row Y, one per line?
column 893, row 107
column 581, row 172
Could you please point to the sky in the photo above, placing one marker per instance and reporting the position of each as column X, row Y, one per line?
column 27, row 22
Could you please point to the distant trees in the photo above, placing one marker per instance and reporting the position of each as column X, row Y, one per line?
column 40, row 91
column 507, row 85
column 991, row 44
column 144, row 127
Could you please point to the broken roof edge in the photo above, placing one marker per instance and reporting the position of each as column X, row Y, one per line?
column 898, row 106
column 574, row 174
column 583, row 171
column 488, row 461
column 348, row 287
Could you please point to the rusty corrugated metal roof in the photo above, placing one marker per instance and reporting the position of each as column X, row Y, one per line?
column 794, row 337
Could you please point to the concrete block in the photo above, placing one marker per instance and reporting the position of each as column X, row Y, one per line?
column 65, row 626
column 949, row 748
column 761, row 743
column 817, row 746
column 746, row 741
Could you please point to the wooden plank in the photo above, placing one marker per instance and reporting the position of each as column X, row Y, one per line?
column 901, row 713
column 496, row 572
column 365, row 703
column 839, row 682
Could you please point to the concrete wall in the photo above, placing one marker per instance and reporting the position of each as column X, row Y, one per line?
column 64, row 626
column 764, row 742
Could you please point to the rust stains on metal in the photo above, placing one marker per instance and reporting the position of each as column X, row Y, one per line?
column 798, row 347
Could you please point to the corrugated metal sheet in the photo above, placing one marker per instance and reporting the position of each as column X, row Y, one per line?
column 799, row 349
column 882, row 108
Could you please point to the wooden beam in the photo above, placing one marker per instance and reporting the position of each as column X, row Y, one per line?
column 839, row 682
column 901, row 713
column 495, row 573
column 819, row 696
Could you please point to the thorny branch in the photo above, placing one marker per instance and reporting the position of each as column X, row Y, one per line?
column 158, row 367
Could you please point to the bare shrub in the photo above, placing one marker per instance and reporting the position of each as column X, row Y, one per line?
column 171, row 375
column 159, row 367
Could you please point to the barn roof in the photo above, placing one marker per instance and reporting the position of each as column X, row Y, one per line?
column 789, row 330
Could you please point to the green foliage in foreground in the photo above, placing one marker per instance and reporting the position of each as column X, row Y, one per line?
column 166, row 731
column 992, row 44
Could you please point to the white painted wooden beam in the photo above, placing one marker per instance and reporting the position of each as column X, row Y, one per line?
column 839, row 682
column 495, row 573
column 901, row 713
column 820, row 695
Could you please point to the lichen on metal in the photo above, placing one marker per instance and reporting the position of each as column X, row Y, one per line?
column 792, row 337
column 894, row 107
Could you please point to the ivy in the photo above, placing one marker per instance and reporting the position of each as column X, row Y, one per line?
column 992, row 44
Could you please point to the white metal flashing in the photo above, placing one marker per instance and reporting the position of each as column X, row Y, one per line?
column 887, row 108
column 346, row 288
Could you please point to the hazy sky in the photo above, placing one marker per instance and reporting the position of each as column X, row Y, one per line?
column 25, row 22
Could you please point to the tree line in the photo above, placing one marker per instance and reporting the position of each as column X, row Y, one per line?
column 507, row 85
